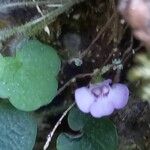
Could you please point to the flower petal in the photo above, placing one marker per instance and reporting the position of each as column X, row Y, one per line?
column 84, row 99
column 102, row 107
column 118, row 95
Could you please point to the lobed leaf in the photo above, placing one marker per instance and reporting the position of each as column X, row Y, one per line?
column 95, row 134
column 29, row 79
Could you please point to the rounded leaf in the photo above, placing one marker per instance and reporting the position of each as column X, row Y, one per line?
column 29, row 79
column 95, row 134
column 80, row 122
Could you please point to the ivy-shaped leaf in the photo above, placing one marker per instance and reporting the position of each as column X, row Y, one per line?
column 95, row 134
column 18, row 129
column 29, row 78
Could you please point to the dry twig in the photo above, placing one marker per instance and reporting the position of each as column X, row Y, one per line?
column 50, row 135
column 97, row 37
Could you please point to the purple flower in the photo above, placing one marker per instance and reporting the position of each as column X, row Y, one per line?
column 101, row 99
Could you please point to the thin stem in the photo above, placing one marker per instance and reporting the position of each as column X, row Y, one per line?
column 29, row 3
column 97, row 37
column 50, row 135
column 32, row 26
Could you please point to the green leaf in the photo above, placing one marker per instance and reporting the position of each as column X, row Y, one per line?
column 29, row 79
column 74, row 123
column 18, row 129
column 95, row 134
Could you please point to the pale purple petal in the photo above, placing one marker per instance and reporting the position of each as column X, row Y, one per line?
column 119, row 95
column 101, row 99
column 102, row 107
column 84, row 99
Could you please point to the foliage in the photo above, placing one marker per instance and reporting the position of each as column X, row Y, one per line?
column 29, row 78
column 18, row 129
column 95, row 134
